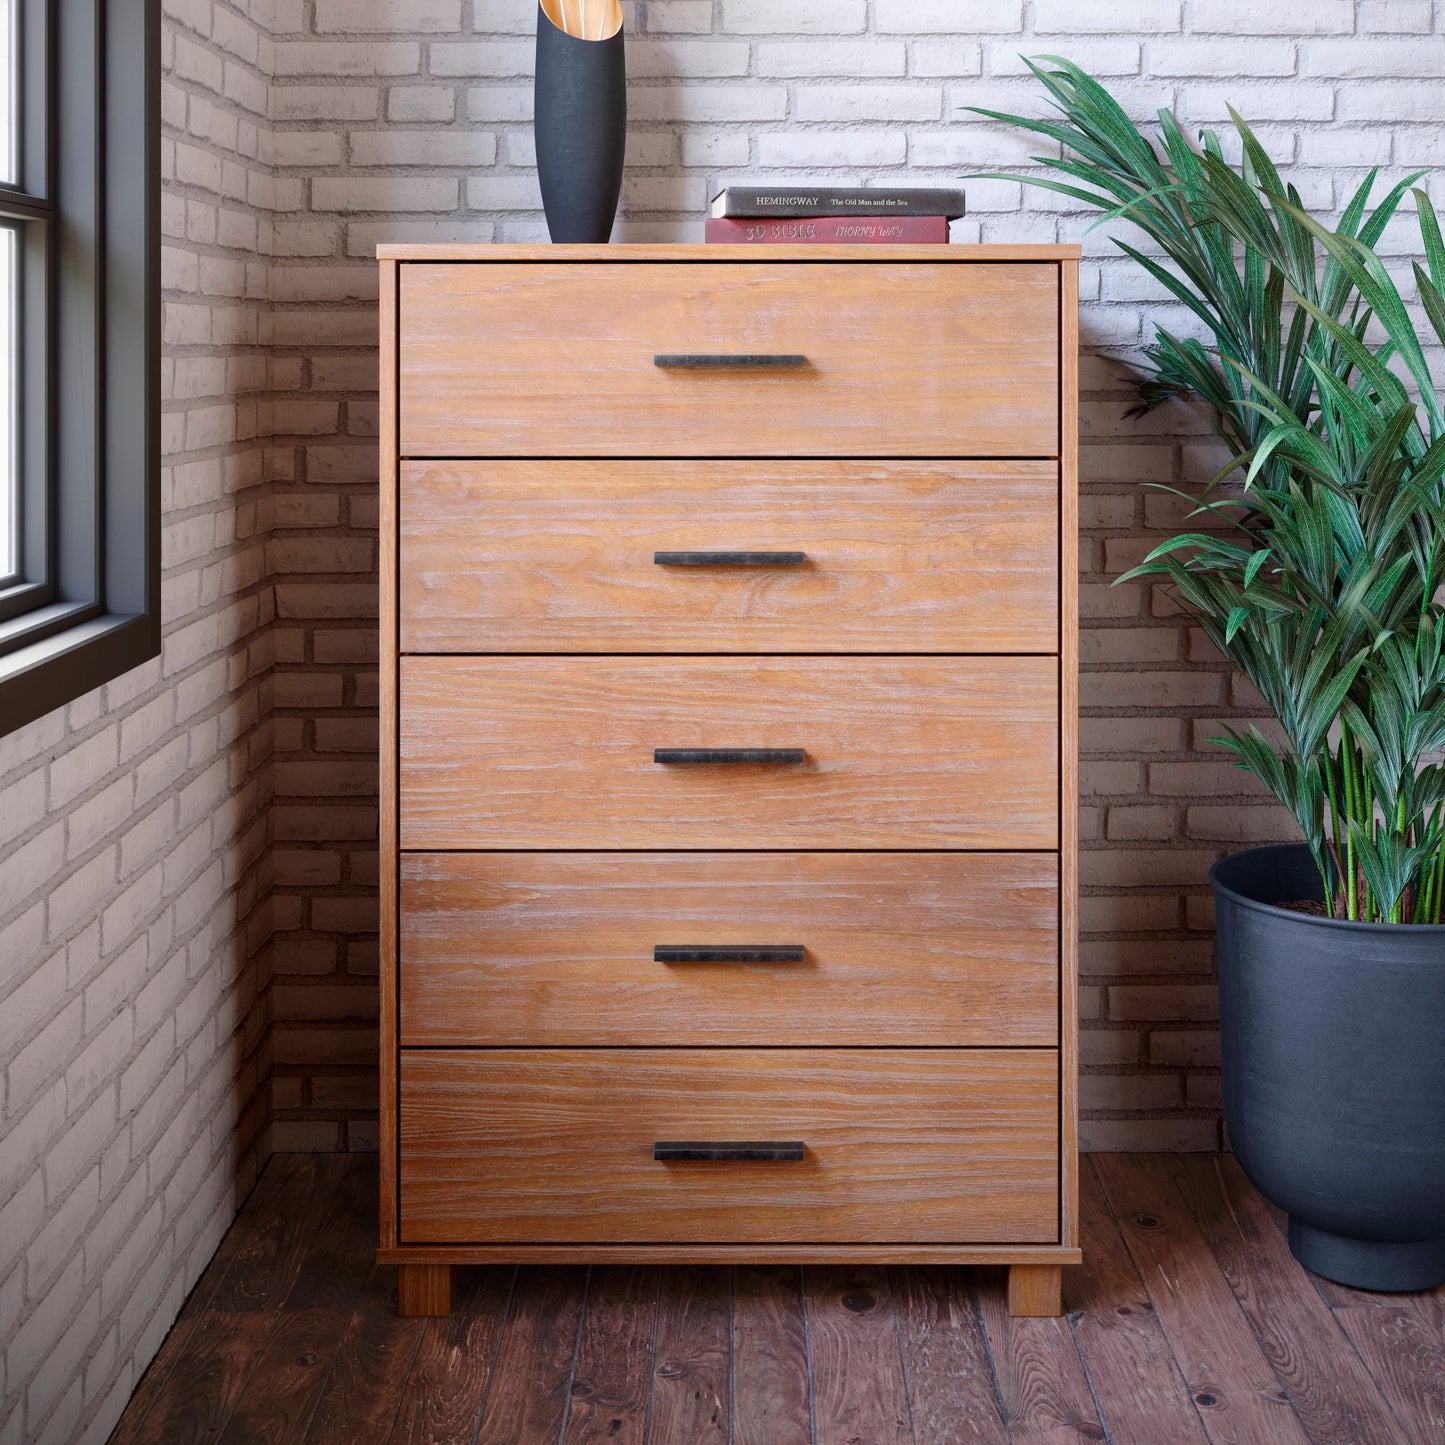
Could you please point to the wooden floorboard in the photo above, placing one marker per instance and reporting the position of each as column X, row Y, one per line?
column 1332, row 1392
column 266, row 1263
column 1189, row 1323
column 1240, row 1398
column 212, row 1368
column 946, row 1368
column 1041, row 1380
column 1405, row 1356
column 1130, row 1365
column 188, row 1407
column 362, row 1395
column 690, row 1395
column 857, row 1365
column 614, row 1356
column 1431, row 1305
column 441, row 1401
column 771, row 1394
column 330, row 1272
column 531, row 1385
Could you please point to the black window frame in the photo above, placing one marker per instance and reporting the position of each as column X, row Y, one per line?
column 85, row 604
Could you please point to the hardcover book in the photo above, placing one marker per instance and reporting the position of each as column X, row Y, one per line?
column 829, row 231
column 783, row 201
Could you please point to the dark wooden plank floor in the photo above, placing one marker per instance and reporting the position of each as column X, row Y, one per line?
column 1189, row 1323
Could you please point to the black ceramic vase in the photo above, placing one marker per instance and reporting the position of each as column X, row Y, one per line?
column 580, row 119
column 1333, row 1038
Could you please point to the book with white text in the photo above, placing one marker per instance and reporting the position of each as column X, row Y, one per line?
column 788, row 201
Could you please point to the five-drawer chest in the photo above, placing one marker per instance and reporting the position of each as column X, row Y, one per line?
column 728, row 696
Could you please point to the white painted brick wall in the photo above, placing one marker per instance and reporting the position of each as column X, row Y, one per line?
column 852, row 90
column 134, row 906
column 142, row 827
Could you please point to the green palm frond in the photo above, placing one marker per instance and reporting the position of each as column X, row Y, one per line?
column 1324, row 588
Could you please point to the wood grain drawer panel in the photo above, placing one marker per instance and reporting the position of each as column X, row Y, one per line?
column 539, row 752
column 549, row 556
column 556, row 1145
column 556, row 949
column 557, row 360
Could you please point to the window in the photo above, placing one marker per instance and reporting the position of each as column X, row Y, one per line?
column 79, row 348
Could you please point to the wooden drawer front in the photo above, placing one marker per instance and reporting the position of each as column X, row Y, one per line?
column 560, row 557
column 555, row 1145
column 941, row 359
column 537, row 752
column 899, row 948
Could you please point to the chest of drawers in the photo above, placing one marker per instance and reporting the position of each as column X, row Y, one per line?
column 728, row 860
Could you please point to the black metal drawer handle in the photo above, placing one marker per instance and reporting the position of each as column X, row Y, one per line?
column 729, row 953
column 724, row 361
column 725, row 1150
column 729, row 559
column 780, row 757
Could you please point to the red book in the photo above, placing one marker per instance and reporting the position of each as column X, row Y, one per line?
column 829, row 231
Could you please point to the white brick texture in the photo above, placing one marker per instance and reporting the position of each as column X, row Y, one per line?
column 188, row 942
column 853, row 90
column 134, row 884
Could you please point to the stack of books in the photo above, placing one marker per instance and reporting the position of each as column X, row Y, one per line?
column 833, row 215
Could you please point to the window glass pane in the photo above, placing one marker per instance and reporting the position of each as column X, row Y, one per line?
column 9, row 91
column 9, row 340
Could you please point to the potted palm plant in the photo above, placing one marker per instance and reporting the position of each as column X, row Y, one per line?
column 1316, row 568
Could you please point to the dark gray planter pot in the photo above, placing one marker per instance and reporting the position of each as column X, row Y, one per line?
column 1333, row 1037
column 580, row 121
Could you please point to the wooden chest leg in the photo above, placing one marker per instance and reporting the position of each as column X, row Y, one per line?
column 1035, row 1289
column 423, row 1289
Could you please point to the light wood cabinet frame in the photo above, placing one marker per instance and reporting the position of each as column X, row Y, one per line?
column 1035, row 1265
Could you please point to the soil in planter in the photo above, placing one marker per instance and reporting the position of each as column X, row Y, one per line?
column 1312, row 906
column 1315, row 909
